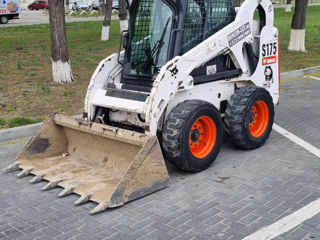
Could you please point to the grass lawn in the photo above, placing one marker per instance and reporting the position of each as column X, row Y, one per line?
column 297, row 60
column 26, row 88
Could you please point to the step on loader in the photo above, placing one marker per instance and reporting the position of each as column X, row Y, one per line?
column 189, row 70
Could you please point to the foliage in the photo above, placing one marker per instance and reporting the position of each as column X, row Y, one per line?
column 2, row 121
column 297, row 60
column 21, row 121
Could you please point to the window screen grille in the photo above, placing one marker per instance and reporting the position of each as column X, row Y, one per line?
column 203, row 19
column 141, row 37
column 152, row 21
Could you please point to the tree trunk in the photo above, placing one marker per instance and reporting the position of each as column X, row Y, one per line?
column 102, row 7
column 106, row 22
column 288, row 6
column 123, row 15
column 237, row 3
column 298, row 27
column 61, row 69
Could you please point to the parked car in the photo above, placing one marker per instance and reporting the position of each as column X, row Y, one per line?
column 78, row 6
column 95, row 5
column 9, row 10
column 115, row 5
column 39, row 5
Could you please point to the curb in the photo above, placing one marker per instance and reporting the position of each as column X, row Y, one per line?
column 29, row 130
column 18, row 132
column 293, row 5
column 300, row 73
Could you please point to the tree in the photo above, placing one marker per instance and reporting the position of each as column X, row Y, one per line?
column 61, row 69
column 123, row 15
column 237, row 3
column 107, row 20
column 102, row 7
column 298, row 27
column 288, row 6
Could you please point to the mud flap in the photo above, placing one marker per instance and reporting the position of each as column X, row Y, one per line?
column 104, row 164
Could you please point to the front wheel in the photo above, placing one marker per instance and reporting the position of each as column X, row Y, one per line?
column 4, row 19
column 249, row 117
column 192, row 135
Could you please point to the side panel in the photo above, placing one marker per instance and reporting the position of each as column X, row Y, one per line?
column 10, row 7
column 267, row 72
column 108, row 71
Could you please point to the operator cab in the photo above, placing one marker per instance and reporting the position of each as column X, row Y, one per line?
column 162, row 29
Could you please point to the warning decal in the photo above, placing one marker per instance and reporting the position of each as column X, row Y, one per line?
column 239, row 34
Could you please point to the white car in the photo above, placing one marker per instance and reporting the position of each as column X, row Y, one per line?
column 78, row 6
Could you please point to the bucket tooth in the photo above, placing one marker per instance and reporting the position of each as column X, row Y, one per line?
column 24, row 172
column 51, row 184
column 65, row 192
column 12, row 167
column 36, row 178
column 82, row 199
column 99, row 208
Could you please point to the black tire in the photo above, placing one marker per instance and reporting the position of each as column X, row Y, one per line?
column 178, row 137
column 248, row 127
column 4, row 19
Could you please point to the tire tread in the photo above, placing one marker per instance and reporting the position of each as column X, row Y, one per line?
column 235, row 114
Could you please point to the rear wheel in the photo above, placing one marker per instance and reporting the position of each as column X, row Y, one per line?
column 4, row 19
column 192, row 135
column 249, row 117
column 44, row 8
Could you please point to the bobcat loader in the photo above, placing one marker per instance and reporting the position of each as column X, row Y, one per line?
column 190, row 69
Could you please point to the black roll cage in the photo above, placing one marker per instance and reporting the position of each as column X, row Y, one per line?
column 179, row 9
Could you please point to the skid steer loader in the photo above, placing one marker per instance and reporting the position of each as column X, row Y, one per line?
column 190, row 69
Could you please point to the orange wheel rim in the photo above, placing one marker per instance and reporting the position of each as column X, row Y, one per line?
column 202, row 137
column 258, row 119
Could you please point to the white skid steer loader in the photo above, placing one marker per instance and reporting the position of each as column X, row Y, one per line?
column 189, row 70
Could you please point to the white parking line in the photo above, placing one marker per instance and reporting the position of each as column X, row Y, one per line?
column 297, row 140
column 313, row 77
column 287, row 223
column 296, row 218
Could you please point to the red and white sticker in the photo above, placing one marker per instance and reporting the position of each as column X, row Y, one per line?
column 269, row 53
column 269, row 60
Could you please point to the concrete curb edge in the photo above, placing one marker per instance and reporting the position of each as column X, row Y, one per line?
column 300, row 72
column 18, row 132
column 29, row 130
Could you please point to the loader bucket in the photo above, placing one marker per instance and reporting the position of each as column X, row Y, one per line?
column 104, row 164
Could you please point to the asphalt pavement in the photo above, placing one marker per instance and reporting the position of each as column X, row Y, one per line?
column 241, row 193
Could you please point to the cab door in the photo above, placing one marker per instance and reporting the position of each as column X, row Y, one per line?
column 41, row 4
column 35, row 5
